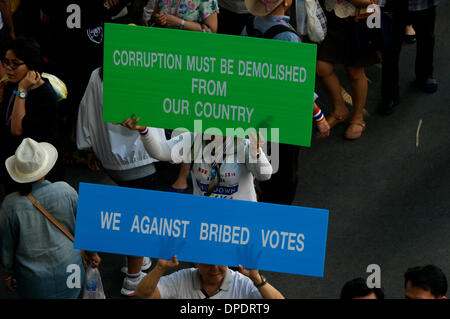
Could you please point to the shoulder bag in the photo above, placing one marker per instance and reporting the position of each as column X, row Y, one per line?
column 56, row 223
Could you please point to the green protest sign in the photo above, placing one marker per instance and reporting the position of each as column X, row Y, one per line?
column 169, row 78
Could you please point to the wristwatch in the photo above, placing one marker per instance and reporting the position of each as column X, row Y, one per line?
column 181, row 26
column 20, row 94
column 262, row 283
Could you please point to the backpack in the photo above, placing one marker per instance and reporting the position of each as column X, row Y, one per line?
column 271, row 33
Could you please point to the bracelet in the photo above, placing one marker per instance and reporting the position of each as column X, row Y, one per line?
column 262, row 283
column 258, row 153
column 181, row 26
column 321, row 121
column 318, row 116
column 144, row 131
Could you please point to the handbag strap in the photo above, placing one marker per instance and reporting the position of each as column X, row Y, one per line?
column 50, row 217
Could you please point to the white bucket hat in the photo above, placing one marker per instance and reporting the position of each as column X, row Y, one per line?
column 262, row 7
column 32, row 161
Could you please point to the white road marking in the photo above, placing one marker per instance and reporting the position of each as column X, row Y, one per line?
column 417, row 132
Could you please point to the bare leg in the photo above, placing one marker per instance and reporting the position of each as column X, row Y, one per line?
column 359, row 87
column 325, row 72
column 181, row 183
column 134, row 264
column 410, row 30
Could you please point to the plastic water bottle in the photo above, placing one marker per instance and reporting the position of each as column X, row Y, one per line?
column 93, row 288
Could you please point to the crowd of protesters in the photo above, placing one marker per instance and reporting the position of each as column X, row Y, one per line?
column 51, row 95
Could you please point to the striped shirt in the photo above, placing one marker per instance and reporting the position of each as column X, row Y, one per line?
column 419, row 5
column 322, row 17
column 415, row 5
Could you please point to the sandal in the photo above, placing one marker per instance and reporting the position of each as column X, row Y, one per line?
column 333, row 119
column 355, row 130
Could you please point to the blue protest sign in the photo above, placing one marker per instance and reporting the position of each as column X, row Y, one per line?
column 262, row 236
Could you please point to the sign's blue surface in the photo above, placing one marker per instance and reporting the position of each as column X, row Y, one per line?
column 280, row 238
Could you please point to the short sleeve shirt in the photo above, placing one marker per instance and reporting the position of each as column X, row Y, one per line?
column 185, row 284
column 189, row 10
column 266, row 22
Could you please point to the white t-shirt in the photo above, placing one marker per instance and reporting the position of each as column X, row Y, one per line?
column 185, row 284
column 117, row 147
column 236, row 174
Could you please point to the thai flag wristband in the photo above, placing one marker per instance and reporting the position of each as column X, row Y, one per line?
column 318, row 116
column 144, row 132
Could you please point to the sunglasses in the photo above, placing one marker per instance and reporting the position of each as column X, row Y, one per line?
column 13, row 64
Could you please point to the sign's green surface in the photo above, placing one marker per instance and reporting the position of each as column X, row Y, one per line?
column 169, row 78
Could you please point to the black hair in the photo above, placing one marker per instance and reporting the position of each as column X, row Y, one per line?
column 29, row 51
column 358, row 288
column 24, row 188
column 429, row 278
column 4, row 47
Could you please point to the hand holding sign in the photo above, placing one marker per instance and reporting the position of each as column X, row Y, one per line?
column 253, row 274
column 267, row 291
column 255, row 144
column 249, row 256
column 324, row 130
column 167, row 264
column 131, row 123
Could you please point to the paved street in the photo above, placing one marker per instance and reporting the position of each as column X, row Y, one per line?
column 388, row 193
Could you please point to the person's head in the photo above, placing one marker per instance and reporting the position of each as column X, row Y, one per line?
column 428, row 282
column 2, row 54
column 31, row 163
column 23, row 55
column 211, row 274
column 267, row 7
column 358, row 289
column 2, row 70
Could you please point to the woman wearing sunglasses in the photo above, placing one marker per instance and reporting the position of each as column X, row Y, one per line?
column 226, row 171
column 29, row 107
